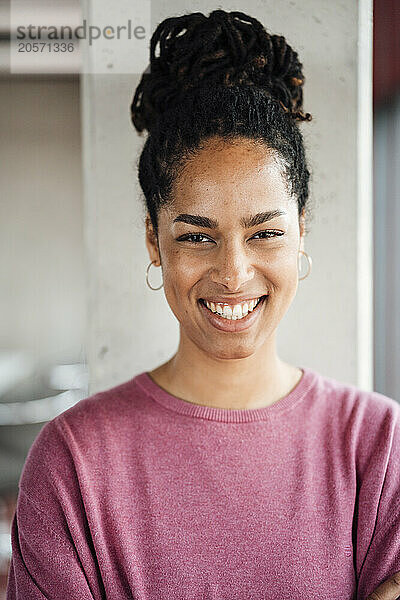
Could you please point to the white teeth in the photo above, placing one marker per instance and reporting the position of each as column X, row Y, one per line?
column 227, row 311
column 232, row 312
column 237, row 311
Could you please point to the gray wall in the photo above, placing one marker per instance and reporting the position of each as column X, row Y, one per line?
column 42, row 274
column 329, row 325
column 42, row 304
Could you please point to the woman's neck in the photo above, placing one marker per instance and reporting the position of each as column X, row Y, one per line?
column 252, row 382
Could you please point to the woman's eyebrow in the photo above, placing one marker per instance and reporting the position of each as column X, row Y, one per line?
column 197, row 220
column 246, row 222
column 261, row 217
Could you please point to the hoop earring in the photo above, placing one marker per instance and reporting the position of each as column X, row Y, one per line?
column 147, row 278
column 308, row 257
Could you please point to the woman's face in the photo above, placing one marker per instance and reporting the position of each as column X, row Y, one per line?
column 217, row 244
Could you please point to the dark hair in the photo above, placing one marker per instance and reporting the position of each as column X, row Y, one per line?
column 222, row 75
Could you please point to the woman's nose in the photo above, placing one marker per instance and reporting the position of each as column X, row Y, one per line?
column 233, row 268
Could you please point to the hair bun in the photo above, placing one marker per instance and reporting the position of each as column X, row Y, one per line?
column 228, row 48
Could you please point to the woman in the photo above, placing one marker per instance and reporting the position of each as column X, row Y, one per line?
column 224, row 472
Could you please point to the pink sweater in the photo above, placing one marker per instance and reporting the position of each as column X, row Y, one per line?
column 136, row 494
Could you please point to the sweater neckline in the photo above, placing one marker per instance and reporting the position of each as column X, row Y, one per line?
column 227, row 415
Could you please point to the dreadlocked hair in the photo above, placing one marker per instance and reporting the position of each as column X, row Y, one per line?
column 222, row 75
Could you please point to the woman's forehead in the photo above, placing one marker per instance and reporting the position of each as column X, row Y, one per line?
column 235, row 200
column 224, row 190
column 229, row 160
column 234, row 170
column 235, row 177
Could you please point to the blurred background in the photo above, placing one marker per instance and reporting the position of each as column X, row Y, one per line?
column 43, row 359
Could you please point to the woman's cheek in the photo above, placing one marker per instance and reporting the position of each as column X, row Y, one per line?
column 188, row 267
column 181, row 273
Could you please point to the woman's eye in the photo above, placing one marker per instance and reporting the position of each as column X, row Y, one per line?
column 267, row 234
column 194, row 238
column 199, row 238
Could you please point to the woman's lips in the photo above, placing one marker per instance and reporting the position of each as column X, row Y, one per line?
column 231, row 325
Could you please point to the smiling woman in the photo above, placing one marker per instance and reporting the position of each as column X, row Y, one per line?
column 213, row 245
column 223, row 161
column 224, row 472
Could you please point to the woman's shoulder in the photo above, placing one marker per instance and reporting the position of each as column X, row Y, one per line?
column 367, row 421
column 107, row 406
column 86, row 428
column 346, row 395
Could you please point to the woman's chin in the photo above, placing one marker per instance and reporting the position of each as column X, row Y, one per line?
column 231, row 353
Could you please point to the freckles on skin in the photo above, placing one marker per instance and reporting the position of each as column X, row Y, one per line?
column 233, row 174
column 177, row 288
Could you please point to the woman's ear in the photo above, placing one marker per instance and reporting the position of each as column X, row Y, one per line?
column 302, row 225
column 152, row 242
